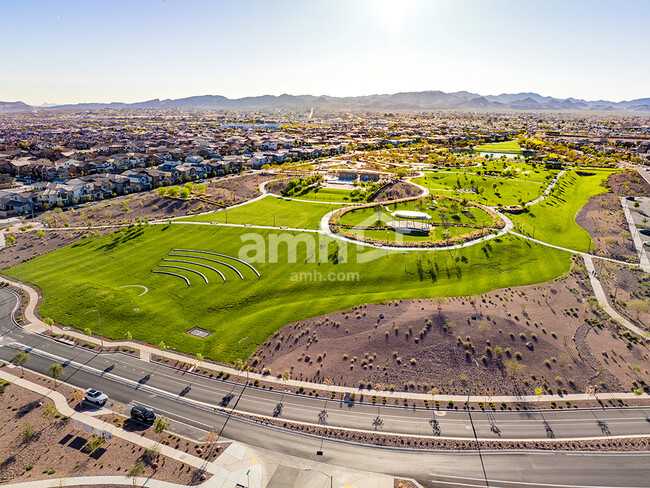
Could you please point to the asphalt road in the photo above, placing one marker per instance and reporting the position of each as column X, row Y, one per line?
column 128, row 380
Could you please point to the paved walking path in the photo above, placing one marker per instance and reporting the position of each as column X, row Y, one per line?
column 238, row 465
column 35, row 324
column 548, row 189
column 636, row 237
column 602, row 298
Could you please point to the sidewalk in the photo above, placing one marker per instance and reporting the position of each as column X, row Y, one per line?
column 602, row 298
column 238, row 465
column 34, row 324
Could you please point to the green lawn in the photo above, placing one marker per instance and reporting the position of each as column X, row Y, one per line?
column 285, row 213
column 87, row 275
column 325, row 195
column 455, row 212
column 553, row 220
column 511, row 147
column 492, row 191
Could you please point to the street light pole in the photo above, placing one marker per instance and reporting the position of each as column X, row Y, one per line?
column 99, row 321
column 471, row 421
column 322, row 472
column 245, row 338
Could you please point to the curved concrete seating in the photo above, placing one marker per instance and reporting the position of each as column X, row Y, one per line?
column 174, row 274
column 211, row 260
column 223, row 256
column 196, row 264
column 185, row 269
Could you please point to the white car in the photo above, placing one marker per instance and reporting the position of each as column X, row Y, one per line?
column 95, row 396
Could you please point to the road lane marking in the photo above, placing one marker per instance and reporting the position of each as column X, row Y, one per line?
column 530, row 483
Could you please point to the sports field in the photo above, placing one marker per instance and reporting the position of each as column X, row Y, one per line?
column 510, row 147
column 271, row 211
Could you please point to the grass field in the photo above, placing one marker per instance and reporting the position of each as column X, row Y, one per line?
column 511, row 147
column 492, row 191
column 285, row 213
column 87, row 275
column 325, row 195
column 553, row 220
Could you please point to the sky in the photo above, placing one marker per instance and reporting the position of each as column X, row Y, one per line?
column 62, row 51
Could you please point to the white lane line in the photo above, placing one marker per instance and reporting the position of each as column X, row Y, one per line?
column 172, row 414
column 512, row 482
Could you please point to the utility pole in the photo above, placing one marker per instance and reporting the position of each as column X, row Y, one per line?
column 246, row 339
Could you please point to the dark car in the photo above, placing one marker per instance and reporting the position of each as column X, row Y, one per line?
column 143, row 415
column 630, row 198
column 645, row 232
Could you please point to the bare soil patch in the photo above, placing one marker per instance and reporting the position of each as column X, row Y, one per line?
column 55, row 450
column 605, row 221
column 120, row 211
column 522, row 338
column 397, row 190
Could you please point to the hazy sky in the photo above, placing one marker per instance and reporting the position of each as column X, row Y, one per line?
column 76, row 51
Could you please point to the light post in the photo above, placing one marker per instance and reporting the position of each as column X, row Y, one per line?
column 99, row 321
column 321, row 472
column 246, row 339
column 471, row 421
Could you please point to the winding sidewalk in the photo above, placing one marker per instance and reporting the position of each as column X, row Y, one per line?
column 36, row 325
column 222, row 474
column 602, row 298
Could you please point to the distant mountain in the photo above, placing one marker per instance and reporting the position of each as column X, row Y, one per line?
column 409, row 101
column 14, row 107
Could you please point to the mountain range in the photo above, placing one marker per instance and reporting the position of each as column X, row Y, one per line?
column 409, row 101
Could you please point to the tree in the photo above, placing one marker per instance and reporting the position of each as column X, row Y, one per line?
column 484, row 327
column 439, row 302
column 49, row 322
column 185, row 193
column 20, row 359
column 162, row 346
column 161, row 424
column 639, row 307
column 199, row 358
column 92, row 444
column 11, row 239
column 136, row 470
column 128, row 336
column 162, row 191
column 514, row 368
column 55, row 371
column 78, row 395
column 211, row 439
column 87, row 331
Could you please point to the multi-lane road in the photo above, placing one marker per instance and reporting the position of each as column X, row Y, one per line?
column 189, row 399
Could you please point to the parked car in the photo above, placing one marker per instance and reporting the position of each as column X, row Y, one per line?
column 646, row 243
column 143, row 415
column 95, row 396
column 630, row 198
column 645, row 232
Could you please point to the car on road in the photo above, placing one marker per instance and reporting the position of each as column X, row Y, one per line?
column 645, row 232
column 646, row 243
column 96, row 397
column 143, row 415
column 630, row 198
